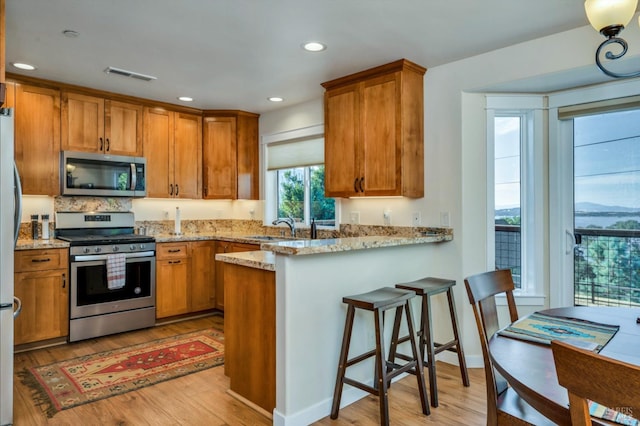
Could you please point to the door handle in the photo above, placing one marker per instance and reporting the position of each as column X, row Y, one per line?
column 572, row 245
column 170, row 189
column 18, row 303
column 101, row 144
column 108, row 145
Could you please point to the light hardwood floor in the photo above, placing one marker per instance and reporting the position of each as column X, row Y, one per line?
column 201, row 398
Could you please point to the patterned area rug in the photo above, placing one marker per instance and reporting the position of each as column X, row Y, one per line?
column 78, row 381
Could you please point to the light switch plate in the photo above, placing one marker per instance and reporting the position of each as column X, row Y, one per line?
column 416, row 219
column 445, row 219
column 354, row 218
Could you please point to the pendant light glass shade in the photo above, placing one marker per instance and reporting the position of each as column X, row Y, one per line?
column 604, row 13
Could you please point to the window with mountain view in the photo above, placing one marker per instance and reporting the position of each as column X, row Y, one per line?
column 507, row 134
column 607, row 208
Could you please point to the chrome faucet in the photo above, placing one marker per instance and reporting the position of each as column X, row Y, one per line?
column 290, row 222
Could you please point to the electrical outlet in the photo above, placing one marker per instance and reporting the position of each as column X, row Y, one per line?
column 445, row 219
column 386, row 216
column 416, row 219
column 354, row 218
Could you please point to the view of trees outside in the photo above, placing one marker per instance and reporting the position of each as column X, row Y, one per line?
column 607, row 208
column 291, row 196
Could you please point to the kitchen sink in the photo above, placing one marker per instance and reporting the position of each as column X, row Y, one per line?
column 265, row 237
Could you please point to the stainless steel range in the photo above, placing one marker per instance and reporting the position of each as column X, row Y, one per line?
column 112, row 273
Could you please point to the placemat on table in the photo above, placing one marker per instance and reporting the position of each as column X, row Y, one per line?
column 542, row 328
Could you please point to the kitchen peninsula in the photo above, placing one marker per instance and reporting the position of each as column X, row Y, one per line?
column 311, row 278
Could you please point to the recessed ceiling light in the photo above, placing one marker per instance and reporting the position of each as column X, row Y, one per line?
column 275, row 99
column 185, row 99
column 314, row 46
column 23, row 66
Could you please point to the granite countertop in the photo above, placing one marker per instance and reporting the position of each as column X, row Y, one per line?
column 28, row 244
column 332, row 245
column 259, row 259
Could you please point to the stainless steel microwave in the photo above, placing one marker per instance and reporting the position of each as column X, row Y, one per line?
column 85, row 173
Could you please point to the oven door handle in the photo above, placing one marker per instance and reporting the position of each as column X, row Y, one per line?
column 93, row 257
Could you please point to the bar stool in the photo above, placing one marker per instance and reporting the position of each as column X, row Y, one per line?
column 378, row 301
column 427, row 287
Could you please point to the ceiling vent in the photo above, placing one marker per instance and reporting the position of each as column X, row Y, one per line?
column 125, row 73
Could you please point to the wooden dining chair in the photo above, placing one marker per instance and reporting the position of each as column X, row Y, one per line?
column 590, row 376
column 504, row 405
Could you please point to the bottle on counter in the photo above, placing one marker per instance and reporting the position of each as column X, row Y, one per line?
column 34, row 226
column 45, row 226
column 314, row 230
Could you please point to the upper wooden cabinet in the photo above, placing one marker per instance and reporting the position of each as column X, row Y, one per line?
column 37, row 139
column 95, row 124
column 230, row 155
column 173, row 149
column 374, row 131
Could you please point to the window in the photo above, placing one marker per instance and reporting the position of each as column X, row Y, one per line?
column 508, row 135
column 294, row 178
column 516, row 190
column 300, row 195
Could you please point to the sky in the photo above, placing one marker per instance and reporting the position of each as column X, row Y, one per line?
column 606, row 159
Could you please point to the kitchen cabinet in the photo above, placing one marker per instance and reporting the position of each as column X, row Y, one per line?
column 227, row 247
column 230, row 155
column 203, row 288
column 95, row 124
column 185, row 278
column 37, row 138
column 173, row 149
column 41, row 284
column 250, row 334
column 173, row 275
column 374, row 132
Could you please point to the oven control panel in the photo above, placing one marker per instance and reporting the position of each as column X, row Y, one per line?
column 112, row 248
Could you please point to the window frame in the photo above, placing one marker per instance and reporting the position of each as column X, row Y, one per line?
column 270, row 180
column 533, row 190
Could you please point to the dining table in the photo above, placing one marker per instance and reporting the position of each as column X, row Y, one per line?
column 530, row 370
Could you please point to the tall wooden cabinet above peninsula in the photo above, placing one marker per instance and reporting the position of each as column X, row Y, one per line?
column 374, row 131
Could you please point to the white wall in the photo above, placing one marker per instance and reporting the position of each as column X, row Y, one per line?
column 455, row 138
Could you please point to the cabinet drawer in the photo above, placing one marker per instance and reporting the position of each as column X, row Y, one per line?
column 40, row 260
column 172, row 250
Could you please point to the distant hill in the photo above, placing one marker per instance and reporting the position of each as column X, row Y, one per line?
column 512, row 212
column 599, row 208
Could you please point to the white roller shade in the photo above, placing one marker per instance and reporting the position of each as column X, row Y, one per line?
column 598, row 107
column 295, row 153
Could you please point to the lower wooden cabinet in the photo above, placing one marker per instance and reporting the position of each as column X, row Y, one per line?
column 185, row 278
column 227, row 247
column 41, row 282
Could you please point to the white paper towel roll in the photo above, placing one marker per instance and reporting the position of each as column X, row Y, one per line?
column 177, row 222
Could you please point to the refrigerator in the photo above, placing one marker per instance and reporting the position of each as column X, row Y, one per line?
column 10, row 214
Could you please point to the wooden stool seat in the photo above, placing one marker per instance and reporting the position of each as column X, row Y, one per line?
column 378, row 301
column 427, row 287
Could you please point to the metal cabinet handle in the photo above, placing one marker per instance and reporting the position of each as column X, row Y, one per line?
column 174, row 261
column 41, row 260
column 355, row 185
column 362, row 184
column 108, row 145
column 101, row 144
column 177, row 190
column 174, row 250
column 18, row 303
column 64, row 280
column 170, row 189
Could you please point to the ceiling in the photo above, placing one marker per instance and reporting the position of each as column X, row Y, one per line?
column 234, row 54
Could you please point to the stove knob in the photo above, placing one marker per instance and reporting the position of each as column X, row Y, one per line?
column 132, row 247
column 86, row 250
column 98, row 249
column 115, row 248
column 142, row 246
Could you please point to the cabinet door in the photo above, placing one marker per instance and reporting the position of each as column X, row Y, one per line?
column 10, row 95
column 221, row 247
column 219, row 154
column 37, row 139
column 203, row 280
column 82, row 123
column 380, row 112
column 341, row 142
column 45, row 305
column 123, row 128
column 172, row 295
column 158, row 143
column 187, row 156
column 248, row 167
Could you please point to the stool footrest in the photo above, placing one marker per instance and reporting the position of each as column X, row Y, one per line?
column 449, row 346
column 399, row 369
column 361, row 385
column 362, row 357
